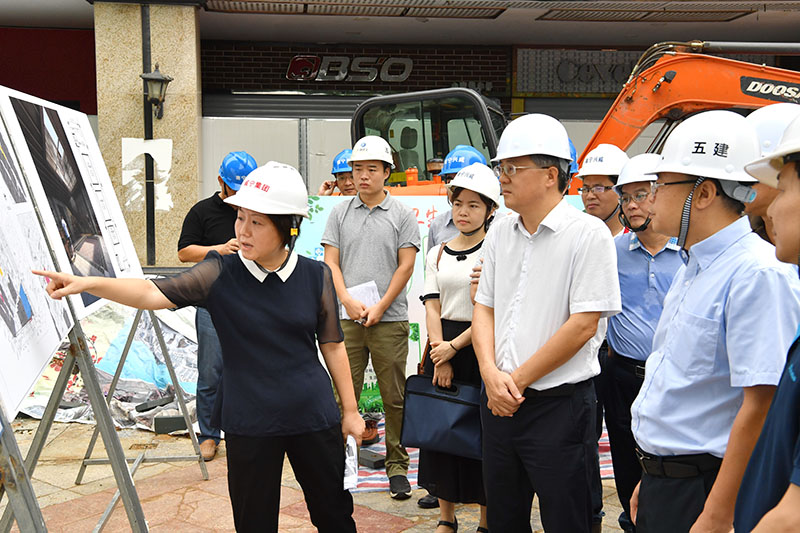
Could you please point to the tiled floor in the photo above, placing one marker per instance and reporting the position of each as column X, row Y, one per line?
column 175, row 497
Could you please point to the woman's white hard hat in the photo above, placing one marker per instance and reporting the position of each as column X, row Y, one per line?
column 273, row 189
column 478, row 178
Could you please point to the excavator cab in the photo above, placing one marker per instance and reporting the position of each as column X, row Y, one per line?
column 422, row 127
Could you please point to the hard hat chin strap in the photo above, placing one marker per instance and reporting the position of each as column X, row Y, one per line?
column 614, row 212
column 294, row 232
column 686, row 214
column 625, row 222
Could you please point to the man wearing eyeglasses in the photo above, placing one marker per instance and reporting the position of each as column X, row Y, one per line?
column 599, row 172
column 647, row 262
column 549, row 275
column 719, row 348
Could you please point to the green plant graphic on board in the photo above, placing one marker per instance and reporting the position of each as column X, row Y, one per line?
column 314, row 208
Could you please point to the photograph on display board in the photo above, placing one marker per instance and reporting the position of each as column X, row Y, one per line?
column 81, row 214
column 32, row 325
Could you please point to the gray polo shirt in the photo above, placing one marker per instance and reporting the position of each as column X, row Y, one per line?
column 368, row 241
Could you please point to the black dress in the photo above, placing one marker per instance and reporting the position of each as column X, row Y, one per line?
column 450, row 477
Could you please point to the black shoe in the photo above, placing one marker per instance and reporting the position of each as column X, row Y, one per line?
column 428, row 502
column 399, row 488
column 625, row 523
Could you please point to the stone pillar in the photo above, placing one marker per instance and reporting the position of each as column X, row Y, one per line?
column 175, row 46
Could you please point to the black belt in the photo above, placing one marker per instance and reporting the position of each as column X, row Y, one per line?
column 678, row 466
column 567, row 389
column 634, row 365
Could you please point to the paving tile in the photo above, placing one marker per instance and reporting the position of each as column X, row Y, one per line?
column 215, row 513
column 175, row 498
column 290, row 496
column 217, row 486
column 77, row 508
column 287, row 522
column 369, row 520
column 177, row 526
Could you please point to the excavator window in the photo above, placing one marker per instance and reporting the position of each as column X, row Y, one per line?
column 423, row 130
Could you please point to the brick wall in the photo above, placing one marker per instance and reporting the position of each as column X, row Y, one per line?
column 234, row 65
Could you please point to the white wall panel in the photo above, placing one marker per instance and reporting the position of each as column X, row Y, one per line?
column 264, row 138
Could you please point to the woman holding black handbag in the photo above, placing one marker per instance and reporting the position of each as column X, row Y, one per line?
column 448, row 316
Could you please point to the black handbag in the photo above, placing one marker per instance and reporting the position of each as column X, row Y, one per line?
column 442, row 420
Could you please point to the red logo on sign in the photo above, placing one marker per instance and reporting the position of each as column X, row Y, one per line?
column 303, row 68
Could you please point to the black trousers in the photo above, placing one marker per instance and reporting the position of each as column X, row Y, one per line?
column 255, row 465
column 623, row 386
column 669, row 505
column 544, row 449
column 601, row 391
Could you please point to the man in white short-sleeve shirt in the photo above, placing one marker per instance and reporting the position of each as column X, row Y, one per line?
column 549, row 275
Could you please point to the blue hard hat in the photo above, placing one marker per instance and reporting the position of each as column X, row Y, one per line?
column 235, row 167
column 340, row 162
column 459, row 157
column 573, row 165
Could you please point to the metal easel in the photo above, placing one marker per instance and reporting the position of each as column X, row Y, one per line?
column 21, row 506
column 142, row 457
column 15, row 481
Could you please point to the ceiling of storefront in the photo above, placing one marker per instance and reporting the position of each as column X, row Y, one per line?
column 575, row 23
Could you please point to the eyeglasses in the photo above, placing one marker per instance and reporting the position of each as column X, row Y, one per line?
column 639, row 197
column 654, row 185
column 508, row 169
column 597, row 189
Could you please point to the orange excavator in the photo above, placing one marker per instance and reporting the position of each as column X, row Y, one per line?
column 671, row 81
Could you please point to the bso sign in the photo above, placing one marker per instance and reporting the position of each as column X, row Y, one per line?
column 342, row 68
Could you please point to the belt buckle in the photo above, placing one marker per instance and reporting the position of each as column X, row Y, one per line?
column 638, row 371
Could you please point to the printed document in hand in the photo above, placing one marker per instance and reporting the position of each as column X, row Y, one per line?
column 366, row 293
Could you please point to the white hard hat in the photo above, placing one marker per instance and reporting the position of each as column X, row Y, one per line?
column 534, row 134
column 273, row 189
column 770, row 122
column 638, row 168
column 372, row 148
column 712, row 144
column 604, row 160
column 479, row 178
column 767, row 168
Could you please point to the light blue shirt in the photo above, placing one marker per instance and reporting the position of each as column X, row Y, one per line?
column 442, row 229
column 644, row 280
column 728, row 320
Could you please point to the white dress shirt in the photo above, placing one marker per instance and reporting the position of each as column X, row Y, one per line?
column 534, row 282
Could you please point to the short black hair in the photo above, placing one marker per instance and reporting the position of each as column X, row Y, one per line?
column 284, row 224
column 489, row 204
column 562, row 165
column 731, row 203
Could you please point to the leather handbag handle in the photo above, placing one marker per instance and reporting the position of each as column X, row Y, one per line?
column 427, row 350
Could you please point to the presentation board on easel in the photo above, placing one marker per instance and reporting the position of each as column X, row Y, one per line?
column 55, row 148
